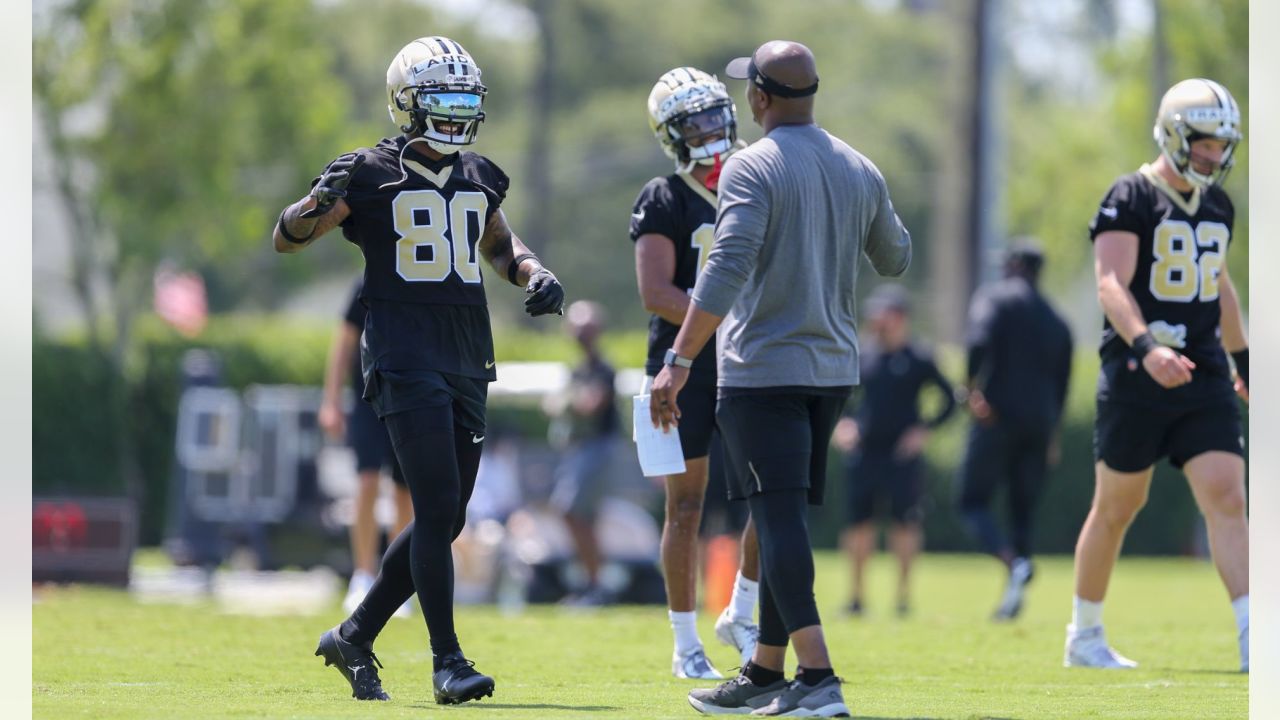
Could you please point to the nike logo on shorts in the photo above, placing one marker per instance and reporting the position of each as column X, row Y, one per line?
column 477, row 439
column 489, row 364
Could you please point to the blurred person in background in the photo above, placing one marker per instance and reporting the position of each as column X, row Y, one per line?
column 367, row 437
column 797, row 211
column 585, row 428
column 885, row 440
column 673, row 227
column 1019, row 364
column 424, row 213
column 1165, row 388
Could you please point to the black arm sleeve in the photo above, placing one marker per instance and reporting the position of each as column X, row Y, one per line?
column 982, row 317
column 936, row 377
column 1064, row 368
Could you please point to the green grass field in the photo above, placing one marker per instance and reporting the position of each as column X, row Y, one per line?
column 100, row 654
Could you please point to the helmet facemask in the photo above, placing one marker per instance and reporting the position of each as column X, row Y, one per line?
column 446, row 118
column 701, row 135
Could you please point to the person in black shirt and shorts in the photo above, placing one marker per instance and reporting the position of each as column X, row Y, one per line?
column 886, row 439
column 1160, row 242
column 367, row 437
column 424, row 214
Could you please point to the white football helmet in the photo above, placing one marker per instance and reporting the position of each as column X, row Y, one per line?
column 687, row 109
column 434, row 92
column 1192, row 110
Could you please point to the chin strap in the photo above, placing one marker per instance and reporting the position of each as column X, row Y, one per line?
column 713, row 178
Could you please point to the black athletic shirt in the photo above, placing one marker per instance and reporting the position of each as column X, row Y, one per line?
column 683, row 210
column 1019, row 353
column 1182, row 244
column 418, row 224
column 891, row 383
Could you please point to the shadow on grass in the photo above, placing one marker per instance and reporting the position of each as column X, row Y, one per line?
column 516, row 706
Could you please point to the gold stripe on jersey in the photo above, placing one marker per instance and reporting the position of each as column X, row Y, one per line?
column 436, row 178
column 1189, row 206
column 698, row 187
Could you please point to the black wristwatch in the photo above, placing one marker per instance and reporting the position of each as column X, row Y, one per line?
column 671, row 358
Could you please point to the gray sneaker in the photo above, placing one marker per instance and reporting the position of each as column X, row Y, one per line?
column 736, row 696
column 799, row 700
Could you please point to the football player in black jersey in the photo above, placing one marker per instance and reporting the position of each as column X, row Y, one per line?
column 1160, row 238
column 673, row 225
column 424, row 213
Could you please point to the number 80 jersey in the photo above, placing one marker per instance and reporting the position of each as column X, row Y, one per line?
column 1182, row 245
column 418, row 224
column 682, row 209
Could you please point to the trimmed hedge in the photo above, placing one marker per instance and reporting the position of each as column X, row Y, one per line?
column 79, row 415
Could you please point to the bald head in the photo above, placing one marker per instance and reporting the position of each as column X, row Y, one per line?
column 789, row 63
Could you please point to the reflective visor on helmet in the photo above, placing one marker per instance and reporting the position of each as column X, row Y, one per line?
column 700, row 124
column 448, row 105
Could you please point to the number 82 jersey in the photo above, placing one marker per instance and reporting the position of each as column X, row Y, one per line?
column 1182, row 244
column 682, row 209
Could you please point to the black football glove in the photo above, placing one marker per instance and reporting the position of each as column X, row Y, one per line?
column 546, row 294
column 333, row 184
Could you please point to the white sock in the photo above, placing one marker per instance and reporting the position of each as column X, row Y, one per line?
column 1241, row 606
column 1085, row 614
column 746, row 593
column 685, row 626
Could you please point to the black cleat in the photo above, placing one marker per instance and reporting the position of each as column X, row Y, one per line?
column 457, row 681
column 355, row 662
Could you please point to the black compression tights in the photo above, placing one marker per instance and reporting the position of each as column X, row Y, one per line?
column 786, row 564
column 439, row 461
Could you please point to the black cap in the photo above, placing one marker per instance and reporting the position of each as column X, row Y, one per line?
column 744, row 68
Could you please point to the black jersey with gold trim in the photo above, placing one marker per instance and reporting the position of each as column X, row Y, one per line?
column 1182, row 244
column 418, row 224
column 684, row 211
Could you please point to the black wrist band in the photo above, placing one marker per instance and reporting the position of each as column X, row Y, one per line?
column 1241, row 358
column 284, row 231
column 514, row 267
column 1143, row 344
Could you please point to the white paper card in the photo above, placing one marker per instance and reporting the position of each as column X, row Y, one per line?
column 660, row 452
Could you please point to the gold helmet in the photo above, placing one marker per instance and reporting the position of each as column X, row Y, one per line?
column 1193, row 110
column 693, row 117
column 434, row 92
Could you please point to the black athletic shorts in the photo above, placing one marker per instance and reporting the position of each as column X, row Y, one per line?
column 1131, row 438
column 368, row 438
column 777, row 438
column 697, row 403
column 720, row 515
column 876, row 477
column 393, row 391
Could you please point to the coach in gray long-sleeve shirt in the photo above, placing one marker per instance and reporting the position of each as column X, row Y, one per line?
column 797, row 211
